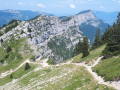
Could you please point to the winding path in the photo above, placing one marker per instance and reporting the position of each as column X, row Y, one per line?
column 44, row 64
column 100, row 80
column 13, row 70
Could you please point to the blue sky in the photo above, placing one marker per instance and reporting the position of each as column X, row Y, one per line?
column 61, row 7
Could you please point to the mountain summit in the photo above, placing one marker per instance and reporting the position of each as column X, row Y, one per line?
column 83, row 12
column 53, row 36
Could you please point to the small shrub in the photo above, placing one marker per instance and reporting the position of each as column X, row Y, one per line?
column 1, row 61
column 49, row 62
column 1, row 33
column 8, row 49
column 21, row 32
column 1, row 40
column 11, row 76
column 32, row 58
column 27, row 66
column 29, row 30
column 7, row 55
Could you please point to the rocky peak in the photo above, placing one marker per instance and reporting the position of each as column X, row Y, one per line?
column 85, row 11
column 87, row 17
column 53, row 36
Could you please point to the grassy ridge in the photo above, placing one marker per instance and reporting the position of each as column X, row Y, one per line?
column 94, row 54
column 15, row 57
column 17, row 74
column 66, row 77
column 109, row 68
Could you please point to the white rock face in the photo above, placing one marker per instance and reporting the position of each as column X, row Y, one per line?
column 44, row 28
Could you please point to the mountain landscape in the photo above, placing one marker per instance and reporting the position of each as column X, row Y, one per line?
column 56, row 37
column 8, row 15
column 41, row 51
column 107, row 17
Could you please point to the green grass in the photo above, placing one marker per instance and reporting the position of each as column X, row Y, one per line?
column 60, row 77
column 15, row 57
column 17, row 74
column 49, row 62
column 94, row 54
column 2, row 52
column 109, row 68
column 32, row 58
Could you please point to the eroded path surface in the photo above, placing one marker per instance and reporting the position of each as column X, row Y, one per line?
column 44, row 64
column 13, row 70
column 100, row 80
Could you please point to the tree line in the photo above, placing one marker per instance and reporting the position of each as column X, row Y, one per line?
column 111, row 38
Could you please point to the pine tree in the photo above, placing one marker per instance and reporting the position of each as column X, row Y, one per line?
column 27, row 66
column 11, row 76
column 113, row 40
column 1, row 40
column 8, row 49
column 97, row 41
column 29, row 30
column 85, row 47
column 78, row 48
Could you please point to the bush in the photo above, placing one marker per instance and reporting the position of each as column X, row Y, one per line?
column 1, row 33
column 21, row 32
column 49, row 62
column 1, row 40
column 8, row 49
column 27, row 66
column 11, row 76
column 6, row 56
column 29, row 30
column 1, row 61
column 32, row 58
column 11, row 26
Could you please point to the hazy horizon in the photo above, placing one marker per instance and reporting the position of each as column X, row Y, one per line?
column 61, row 7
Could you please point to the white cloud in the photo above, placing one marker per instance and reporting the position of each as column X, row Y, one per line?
column 41, row 5
column 72, row 6
column 102, row 7
column 20, row 3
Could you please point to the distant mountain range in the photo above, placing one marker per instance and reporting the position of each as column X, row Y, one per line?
column 8, row 15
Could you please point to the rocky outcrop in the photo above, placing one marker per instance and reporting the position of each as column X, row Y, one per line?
column 52, row 36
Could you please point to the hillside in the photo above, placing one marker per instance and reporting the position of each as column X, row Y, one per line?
column 52, row 36
column 61, row 76
column 38, row 54
column 64, row 76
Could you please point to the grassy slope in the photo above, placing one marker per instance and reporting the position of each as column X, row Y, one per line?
column 60, row 77
column 66, row 77
column 109, row 68
column 94, row 54
column 15, row 57
column 17, row 74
